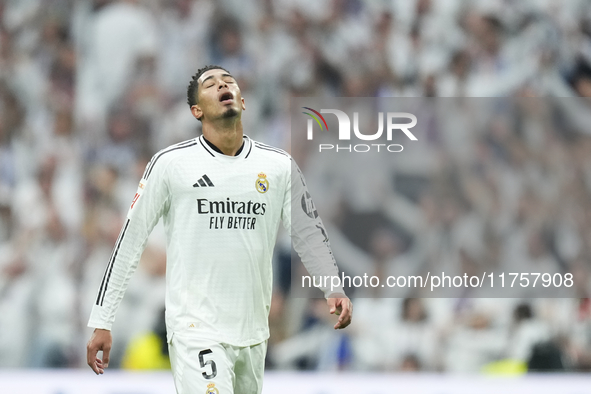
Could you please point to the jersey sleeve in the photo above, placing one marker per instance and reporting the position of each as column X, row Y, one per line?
column 150, row 202
column 307, row 231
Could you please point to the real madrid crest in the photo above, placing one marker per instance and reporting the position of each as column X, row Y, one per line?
column 211, row 389
column 262, row 184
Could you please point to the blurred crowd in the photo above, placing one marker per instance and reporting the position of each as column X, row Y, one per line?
column 91, row 89
column 493, row 186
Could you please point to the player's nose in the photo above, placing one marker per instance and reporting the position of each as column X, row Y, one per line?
column 222, row 84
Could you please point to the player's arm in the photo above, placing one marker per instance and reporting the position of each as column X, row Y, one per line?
column 311, row 242
column 150, row 202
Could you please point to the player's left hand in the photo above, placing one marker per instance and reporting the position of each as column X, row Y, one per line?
column 342, row 306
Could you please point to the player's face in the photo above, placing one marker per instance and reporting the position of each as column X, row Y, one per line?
column 218, row 96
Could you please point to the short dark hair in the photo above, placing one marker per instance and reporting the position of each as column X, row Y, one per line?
column 194, row 85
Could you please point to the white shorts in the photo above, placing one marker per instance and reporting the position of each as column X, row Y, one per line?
column 204, row 367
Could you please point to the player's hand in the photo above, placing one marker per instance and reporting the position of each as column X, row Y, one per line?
column 341, row 305
column 100, row 340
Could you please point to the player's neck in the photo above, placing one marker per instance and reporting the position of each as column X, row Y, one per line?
column 227, row 137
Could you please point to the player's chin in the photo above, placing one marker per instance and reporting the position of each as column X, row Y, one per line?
column 230, row 112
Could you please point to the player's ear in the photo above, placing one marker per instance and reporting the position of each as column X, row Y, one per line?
column 196, row 111
column 243, row 105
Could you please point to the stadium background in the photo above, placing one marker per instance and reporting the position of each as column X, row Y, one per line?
column 89, row 90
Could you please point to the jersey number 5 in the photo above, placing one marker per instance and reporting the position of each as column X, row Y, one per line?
column 211, row 363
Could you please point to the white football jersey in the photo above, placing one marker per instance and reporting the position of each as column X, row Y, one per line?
column 221, row 216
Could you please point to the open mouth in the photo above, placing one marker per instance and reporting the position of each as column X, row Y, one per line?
column 226, row 98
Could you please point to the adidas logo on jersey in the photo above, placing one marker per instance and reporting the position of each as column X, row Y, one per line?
column 204, row 181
